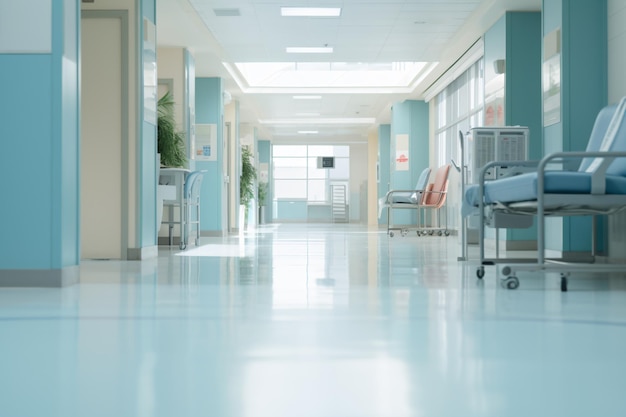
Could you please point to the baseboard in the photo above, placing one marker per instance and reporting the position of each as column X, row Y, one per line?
column 49, row 278
column 138, row 254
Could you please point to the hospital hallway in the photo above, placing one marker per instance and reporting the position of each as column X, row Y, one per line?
column 312, row 320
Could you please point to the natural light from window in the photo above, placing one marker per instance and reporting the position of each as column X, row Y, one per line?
column 330, row 74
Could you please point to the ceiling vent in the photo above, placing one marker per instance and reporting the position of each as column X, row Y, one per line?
column 227, row 12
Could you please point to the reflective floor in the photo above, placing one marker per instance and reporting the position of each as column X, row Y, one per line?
column 313, row 320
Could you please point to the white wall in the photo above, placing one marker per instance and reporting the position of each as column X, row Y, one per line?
column 617, row 89
column 171, row 66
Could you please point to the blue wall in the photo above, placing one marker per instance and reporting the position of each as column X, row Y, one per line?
column 384, row 163
column 516, row 38
column 265, row 157
column 147, row 165
column 210, row 110
column 40, row 113
column 409, row 117
column 584, row 80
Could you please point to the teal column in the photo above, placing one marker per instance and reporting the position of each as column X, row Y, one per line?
column 584, row 80
column 384, row 163
column 409, row 118
column 40, row 158
column 265, row 157
column 516, row 38
column 147, row 165
column 210, row 110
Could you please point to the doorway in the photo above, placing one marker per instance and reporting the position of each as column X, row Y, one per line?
column 104, row 134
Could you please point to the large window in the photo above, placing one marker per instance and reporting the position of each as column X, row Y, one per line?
column 459, row 107
column 297, row 176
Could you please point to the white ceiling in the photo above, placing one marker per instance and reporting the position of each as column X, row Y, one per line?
column 367, row 31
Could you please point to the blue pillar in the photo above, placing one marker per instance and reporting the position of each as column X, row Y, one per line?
column 265, row 157
column 384, row 162
column 584, row 79
column 408, row 119
column 40, row 140
column 516, row 38
column 210, row 110
column 148, row 165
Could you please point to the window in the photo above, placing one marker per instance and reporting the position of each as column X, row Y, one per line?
column 458, row 107
column 296, row 175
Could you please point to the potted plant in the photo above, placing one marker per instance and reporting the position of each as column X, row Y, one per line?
column 246, row 184
column 170, row 148
column 170, row 142
column 262, row 193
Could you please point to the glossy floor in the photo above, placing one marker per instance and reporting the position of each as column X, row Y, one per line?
column 312, row 320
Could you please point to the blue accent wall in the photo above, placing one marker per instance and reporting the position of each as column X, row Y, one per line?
column 265, row 157
column 147, row 164
column 39, row 133
column 210, row 110
column 384, row 163
column 584, row 80
column 409, row 117
column 516, row 38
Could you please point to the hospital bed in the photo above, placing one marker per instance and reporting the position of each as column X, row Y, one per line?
column 596, row 187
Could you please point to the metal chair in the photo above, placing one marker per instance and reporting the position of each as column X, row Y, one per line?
column 193, row 185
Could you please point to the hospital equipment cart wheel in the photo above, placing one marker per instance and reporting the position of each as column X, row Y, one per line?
column 447, row 233
column 480, row 272
column 511, row 283
column 390, row 234
column 563, row 283
column 182, row 246
column 404, row 232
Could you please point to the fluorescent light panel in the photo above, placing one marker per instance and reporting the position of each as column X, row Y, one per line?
column 309, row 49
column 307, row 97
column 308, row 132
column 307, row 114
column 310, row 11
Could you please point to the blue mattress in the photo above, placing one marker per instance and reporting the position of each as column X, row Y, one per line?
column 524, row 187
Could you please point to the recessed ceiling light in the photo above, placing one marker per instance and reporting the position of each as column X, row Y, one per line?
column 310, row 11
column 307, row 97
column 307, row 132
column 309, row 50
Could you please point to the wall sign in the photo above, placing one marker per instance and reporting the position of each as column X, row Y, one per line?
column 206, row 142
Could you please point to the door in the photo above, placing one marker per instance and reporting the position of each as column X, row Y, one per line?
column 102, row 137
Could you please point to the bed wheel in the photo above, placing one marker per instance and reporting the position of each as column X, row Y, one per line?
column 447, row 233
column 182, row 246
column 511, row 283
column 404, row 232
column 390, row 234
column 480, row 272
column 563, row 283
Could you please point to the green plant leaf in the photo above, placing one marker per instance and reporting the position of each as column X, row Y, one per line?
column 170, row 142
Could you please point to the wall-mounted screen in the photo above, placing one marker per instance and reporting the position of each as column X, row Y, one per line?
column 325, row 161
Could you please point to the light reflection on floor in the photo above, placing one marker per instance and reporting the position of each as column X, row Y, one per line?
column 312, row 320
